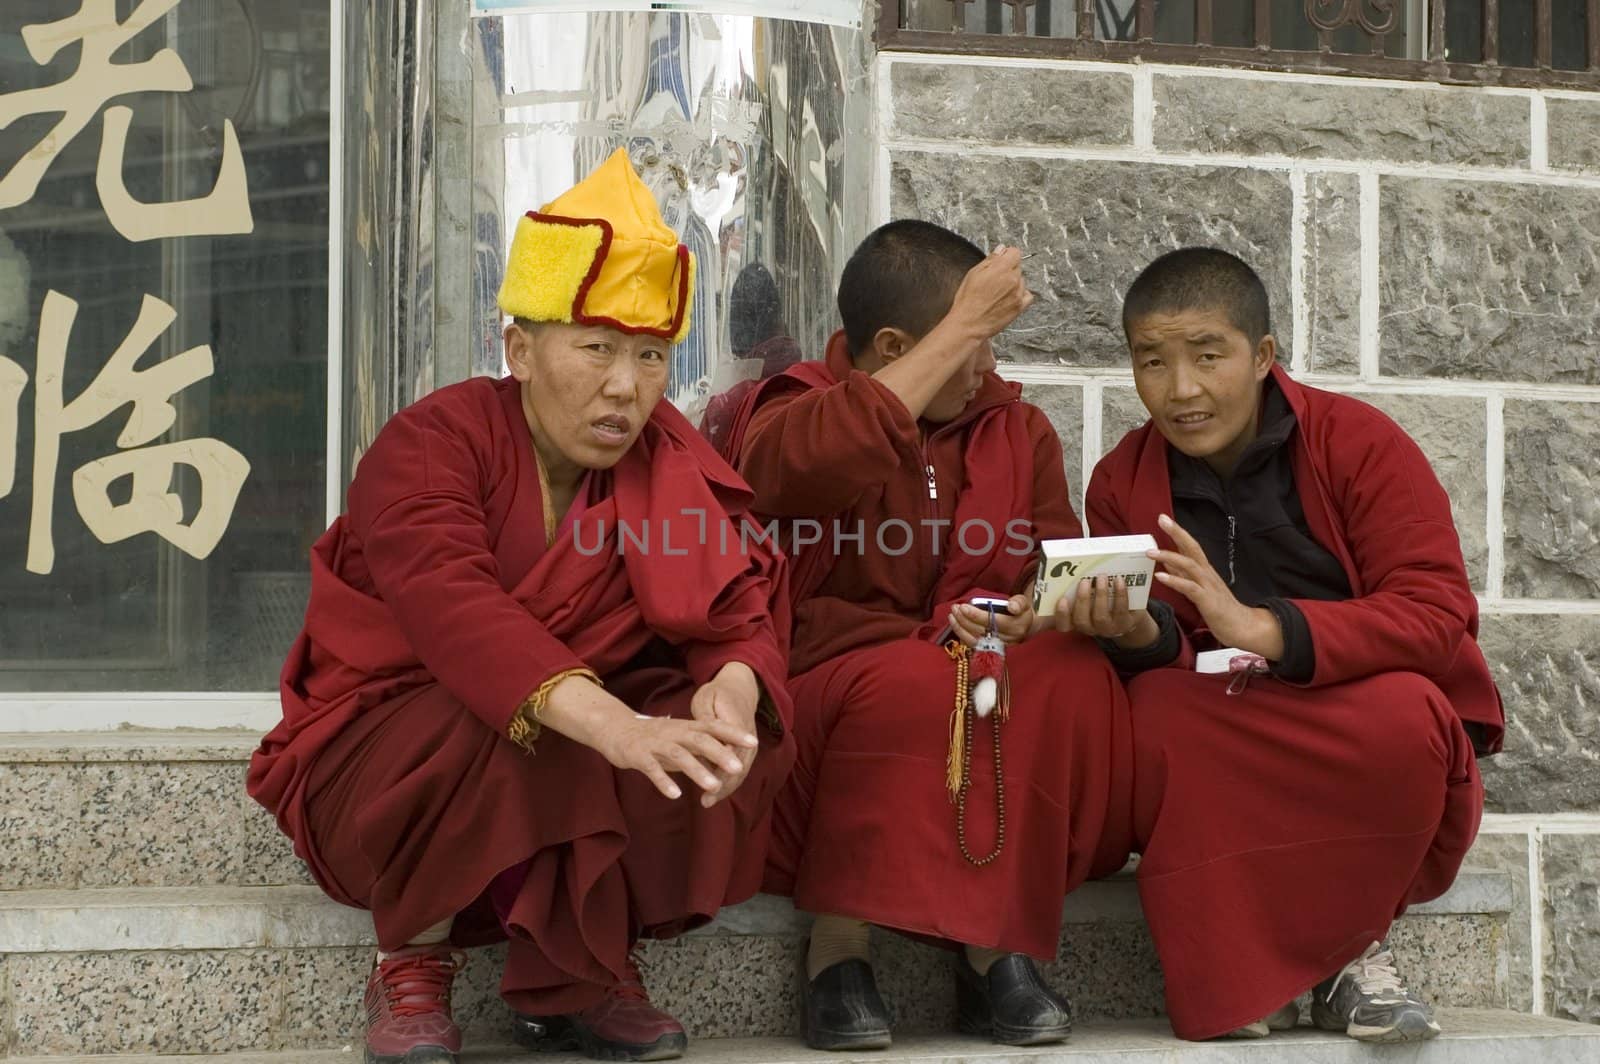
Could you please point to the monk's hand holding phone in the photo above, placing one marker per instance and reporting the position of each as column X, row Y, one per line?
column 1013, row 624
column 1231, row 622
column 731, row 698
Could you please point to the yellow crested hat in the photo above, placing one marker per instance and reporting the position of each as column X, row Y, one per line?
column 599, row 254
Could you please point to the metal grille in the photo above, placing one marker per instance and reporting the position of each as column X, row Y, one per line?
column 1547, row 43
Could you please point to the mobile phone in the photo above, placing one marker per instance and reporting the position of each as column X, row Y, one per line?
column 1003, row 605
column 980, row 601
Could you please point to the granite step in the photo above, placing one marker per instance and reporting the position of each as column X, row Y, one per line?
column 215, row 969
column 1471, row 1036
column 66, row 797
column 134, row 937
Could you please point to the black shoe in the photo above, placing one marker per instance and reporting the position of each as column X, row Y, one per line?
column 1012, row 1004
column 843, row 1009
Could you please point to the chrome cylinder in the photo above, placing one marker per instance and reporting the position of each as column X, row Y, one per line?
column 754, row 133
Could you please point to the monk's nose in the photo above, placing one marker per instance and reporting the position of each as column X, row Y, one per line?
column 986, row 360
column 1185, row 384
column 620, row 382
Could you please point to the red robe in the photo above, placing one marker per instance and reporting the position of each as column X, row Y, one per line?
column 865, row 828
column 435, row 611
column 1284, row 829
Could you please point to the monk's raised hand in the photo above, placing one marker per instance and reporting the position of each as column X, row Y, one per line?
column 1013, row 625
column 1190, row 573
column 731, row 697
column 992, row 294
column 1100, row 609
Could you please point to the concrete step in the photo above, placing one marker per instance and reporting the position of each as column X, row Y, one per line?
column 188, row 928
column 1471, row 1036
column 98, row 809
column 216, row 969
column 183, row 918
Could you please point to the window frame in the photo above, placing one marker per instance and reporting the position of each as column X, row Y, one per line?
column 44, row 711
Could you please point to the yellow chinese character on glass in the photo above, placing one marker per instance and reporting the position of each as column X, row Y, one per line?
column 152, row 505
column 78, row 98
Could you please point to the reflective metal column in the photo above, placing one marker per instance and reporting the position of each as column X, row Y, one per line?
column 741, row 126
column 754, row 133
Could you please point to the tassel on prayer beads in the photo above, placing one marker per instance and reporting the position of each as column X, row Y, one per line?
column 983, row 688
column 955, row 764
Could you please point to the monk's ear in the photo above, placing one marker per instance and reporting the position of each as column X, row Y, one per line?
column 519, row 352
column 1266, row 355
column 890, row 343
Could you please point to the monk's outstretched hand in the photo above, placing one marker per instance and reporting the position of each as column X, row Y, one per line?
column 968, row 622
column 730, row 698
column 1189, row 572
column 1100, row 609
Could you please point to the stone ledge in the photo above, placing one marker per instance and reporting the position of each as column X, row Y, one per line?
column 131, row 744
column 1471, row 1036
column 197, row 918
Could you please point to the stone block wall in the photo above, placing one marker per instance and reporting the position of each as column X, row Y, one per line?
column 1433, row 250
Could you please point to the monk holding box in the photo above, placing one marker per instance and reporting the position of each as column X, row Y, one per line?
column 1290, row 809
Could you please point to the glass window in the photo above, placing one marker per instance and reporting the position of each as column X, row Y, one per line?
column 163, row 339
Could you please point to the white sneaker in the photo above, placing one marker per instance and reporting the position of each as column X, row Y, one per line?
column 1367, row 1001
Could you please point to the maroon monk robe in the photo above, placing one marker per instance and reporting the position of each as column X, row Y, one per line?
column 865, row 827
column 1283, row 829
column 436, row 610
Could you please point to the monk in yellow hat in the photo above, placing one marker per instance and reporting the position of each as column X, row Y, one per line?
column 539, row 695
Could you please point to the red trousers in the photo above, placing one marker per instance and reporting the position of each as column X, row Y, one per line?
column 864, row 827
column 1283, row 829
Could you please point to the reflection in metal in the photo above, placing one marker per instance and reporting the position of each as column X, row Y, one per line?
column 388, row 216
column 753, row 133
column 831, row 12
column 452, row 236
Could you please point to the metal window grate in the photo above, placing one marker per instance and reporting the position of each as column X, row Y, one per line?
column 1543, row 43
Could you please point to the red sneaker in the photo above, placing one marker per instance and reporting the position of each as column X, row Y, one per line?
column 622, row 1026
column 408, row 1007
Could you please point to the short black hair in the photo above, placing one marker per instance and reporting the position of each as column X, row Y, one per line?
column 1200, row 279
column 903, row 276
